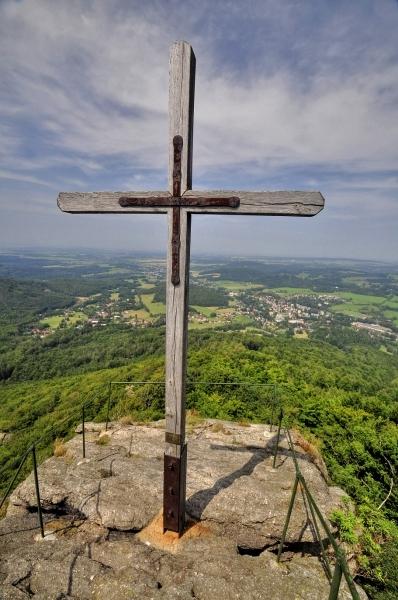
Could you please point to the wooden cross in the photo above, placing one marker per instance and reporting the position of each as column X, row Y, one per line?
column 179, row 203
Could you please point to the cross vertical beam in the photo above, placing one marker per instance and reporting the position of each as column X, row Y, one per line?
column 181, row 107
column 179, row 202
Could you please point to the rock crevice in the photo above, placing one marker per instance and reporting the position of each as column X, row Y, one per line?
column 103, row 523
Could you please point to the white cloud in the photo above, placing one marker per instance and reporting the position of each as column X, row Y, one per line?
column 15, row 176
column 280, row 87
column 95, row 84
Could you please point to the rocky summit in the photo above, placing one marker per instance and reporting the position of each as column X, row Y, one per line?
column 103, row 526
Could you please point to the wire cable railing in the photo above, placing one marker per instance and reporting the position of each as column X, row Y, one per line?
column 275, row 404
column 275, row 400
column 32, row 450
column 49, row 435
column 341, row 566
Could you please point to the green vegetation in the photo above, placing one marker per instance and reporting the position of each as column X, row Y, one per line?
column 56, row 321
column 350, row 309
column 293, row 291
column 145, row 285
column 361, row 299
column 347, row 398
column 137, row 314
column 199, row 295
column 153, row 307
column 339, row 386
column 75, row 317
column 392, row 315
column 357, row 305
column 207, row 311
column 236, row 286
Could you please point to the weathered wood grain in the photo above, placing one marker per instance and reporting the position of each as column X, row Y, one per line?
column 181, row 106
column 106, row 202
column 297, row 204
column 181, row 92
column 177, row 336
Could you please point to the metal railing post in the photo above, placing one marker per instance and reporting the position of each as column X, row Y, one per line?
column 335, row 584
column 318, row 534
column 289, row 513
column 277, row 438
column 291, row 445
column 21, row 464
column 84, row 433
column 339, row 554
column 40, row 516
column 272, row 409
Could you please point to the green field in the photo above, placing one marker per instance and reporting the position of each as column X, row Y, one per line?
column 357, row 305
column 55, row 321
column 301, row 335
column 242, row 320
column 224, row 311
column 392, row 315
column 219, row 320
column 154, row 308
column 237, row 286
column 361, row 299
column 354, row 305
column 210, row 325
column 141, row 314
column 205, row 310
column 293, row 291
column 146, row 285
column 391, row 303
column 356, row 280
column 76, row 316
column 351, row 309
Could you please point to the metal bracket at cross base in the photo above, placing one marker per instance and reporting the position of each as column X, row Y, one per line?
column 174, row 491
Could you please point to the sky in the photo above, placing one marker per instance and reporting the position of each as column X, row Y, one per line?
column 290, row 94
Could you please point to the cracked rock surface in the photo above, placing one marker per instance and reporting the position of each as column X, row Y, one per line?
column 93, row 550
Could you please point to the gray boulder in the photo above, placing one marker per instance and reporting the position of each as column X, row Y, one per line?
column 98, row 547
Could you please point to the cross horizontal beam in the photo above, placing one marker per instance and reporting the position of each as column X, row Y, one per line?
column 179, row 201
column 292, row 203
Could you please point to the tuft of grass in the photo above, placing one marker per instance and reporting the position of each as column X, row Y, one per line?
column 3, row 509
column 59, row 447
column 220, row 428
column 236, row 442
column 103, row 440
column 135, row 455
column 193, row 418
column 244, row 423
column 311, row 448
column 127, row 420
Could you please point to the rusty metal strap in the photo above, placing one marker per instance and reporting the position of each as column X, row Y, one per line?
column 179, row 202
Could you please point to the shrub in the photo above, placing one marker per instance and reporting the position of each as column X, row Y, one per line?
column 103, row 440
